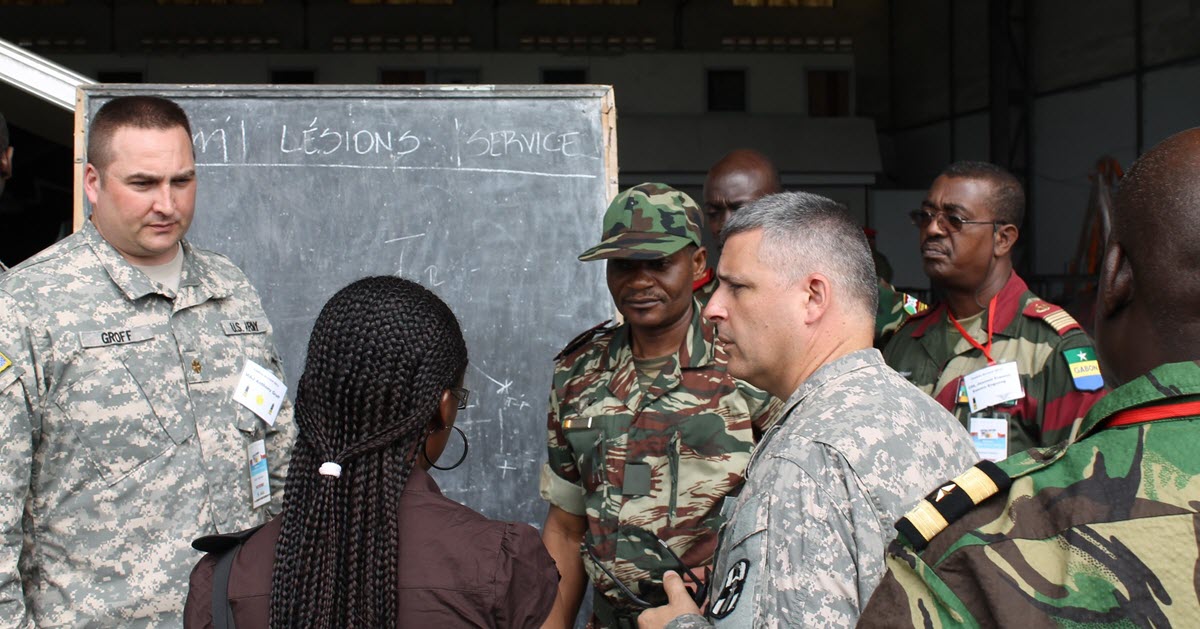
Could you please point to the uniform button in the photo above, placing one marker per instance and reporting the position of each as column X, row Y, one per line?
column 196, row 367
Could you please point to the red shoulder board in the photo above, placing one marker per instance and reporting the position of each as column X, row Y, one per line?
column 582, row 339
column 1054, row 316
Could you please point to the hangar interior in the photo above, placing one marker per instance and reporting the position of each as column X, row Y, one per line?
column 860, row 100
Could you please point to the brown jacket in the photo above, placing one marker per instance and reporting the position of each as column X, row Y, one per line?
column 457, row 569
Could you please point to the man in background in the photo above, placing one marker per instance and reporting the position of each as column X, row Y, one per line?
column 1016, row 370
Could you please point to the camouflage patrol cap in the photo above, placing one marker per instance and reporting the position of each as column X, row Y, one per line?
column 647, row 222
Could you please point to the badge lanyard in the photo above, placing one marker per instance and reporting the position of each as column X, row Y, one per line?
column 1153, row 413
column 987, row 351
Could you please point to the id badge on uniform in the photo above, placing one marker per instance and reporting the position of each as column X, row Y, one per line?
column 990, row 437
column 260, row 391
column 260, row 481
column 992, row 385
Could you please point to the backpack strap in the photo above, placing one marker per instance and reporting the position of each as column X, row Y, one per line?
column 222, row 612
column 228, row 545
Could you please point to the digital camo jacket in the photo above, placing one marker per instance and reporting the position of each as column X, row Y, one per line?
column 119, row 439
column 660, row 460
column 804, row 542
column 1102, row 533
column 1040, row 337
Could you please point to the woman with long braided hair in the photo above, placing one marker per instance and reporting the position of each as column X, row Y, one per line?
column 365, row 538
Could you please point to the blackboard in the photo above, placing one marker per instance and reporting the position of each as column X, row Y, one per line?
column 484, row 194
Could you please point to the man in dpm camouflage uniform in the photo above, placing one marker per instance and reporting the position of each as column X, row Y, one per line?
column 122, row 348
column 1016, row 371
column 647, row 431
column 1103, row 531
column 804, row 541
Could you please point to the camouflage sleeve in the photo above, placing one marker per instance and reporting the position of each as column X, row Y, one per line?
column 912, row 595
column 17, row 429
column 689, row 621
column 1063, row 396
column 810, row 549
column 559, row 484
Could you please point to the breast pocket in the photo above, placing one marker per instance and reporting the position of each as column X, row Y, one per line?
column 591, row 440
column 214, row 369
column 113, row 418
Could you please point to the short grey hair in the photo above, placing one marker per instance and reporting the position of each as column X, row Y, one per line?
column 806, row 233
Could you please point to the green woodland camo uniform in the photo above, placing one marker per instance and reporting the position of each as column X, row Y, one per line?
column 804, row 542
column 1043, row 340
column 1101, row 533
column 119, row 440
column 661, row 459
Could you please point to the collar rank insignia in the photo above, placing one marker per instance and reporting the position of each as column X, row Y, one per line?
column 950, row 502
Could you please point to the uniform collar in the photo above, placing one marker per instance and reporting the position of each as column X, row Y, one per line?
column 859, row 359
column 1008, row 305
column 695, row 352
column 195, row 281
column 1171, row 382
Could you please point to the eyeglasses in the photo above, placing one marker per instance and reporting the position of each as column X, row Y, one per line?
column 952, row 223
column 462, row 395
column 650, row 542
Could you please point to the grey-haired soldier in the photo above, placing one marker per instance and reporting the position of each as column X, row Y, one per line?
column 803, row 543
column 141, row 397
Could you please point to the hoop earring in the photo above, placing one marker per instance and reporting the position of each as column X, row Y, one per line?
column 466, row 447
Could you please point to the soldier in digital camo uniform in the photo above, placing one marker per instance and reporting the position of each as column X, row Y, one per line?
column 1103, row 531
column 647, row 431
column 120, row 350
column 963, row 351
column 804, row 542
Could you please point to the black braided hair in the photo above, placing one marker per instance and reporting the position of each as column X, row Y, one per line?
column 381, row 353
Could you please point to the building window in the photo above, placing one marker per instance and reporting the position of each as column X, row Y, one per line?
column 293, row 77
column 119, row 76
column 828, row 93
column 564, row 76
column 727, row 90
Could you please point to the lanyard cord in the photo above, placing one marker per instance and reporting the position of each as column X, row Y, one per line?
column 987, row 351
column 1153, row 413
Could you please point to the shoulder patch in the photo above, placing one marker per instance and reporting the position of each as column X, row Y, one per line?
column 5, row 363
column 1085, row 369
column 1054, row 316
column 951, row 501
column 580, row 340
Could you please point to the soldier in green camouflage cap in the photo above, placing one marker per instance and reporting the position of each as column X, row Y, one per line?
column 1100, row 532
column 647, row 431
